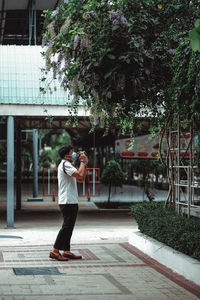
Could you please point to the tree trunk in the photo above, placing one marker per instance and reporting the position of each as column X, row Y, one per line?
column 109, row 192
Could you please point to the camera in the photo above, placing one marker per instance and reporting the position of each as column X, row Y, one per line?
column 81, row 152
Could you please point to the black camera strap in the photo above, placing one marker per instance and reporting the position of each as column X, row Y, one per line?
column 64, row 168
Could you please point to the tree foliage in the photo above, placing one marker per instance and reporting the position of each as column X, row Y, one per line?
column 185, row 86
column 112, row 175
column 116, row 55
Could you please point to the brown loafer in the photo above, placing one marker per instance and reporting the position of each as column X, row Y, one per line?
column 57, row 256
column 72, row 256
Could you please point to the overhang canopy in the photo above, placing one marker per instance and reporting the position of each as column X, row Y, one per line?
column 24, row 4
column 21, row 21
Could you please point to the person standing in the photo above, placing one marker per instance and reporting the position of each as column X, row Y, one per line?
column 68, row 176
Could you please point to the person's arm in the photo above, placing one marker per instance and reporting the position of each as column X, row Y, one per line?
column 81, row 171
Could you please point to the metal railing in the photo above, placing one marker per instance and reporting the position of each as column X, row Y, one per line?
column 89, row 188
column 183, row 186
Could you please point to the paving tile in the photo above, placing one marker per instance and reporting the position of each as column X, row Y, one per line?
column 108, row 271
column 36, row 271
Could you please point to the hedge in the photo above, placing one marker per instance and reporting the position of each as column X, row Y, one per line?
column 166, row 226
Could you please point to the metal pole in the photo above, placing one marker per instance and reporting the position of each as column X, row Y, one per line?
column 10, row 172
column 18, row 171
column 178, row 169
column 94, row 154
column 192, row 163
column 189, row 191
column 93, row 173
column 2, row 21
column 34, row 20
column 35, row 163
column 49, row 183
column 30, row 22
column 84, row 187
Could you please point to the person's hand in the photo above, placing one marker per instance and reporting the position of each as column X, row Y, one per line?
column 83, row 158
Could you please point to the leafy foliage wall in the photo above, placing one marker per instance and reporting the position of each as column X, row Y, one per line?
column 123, row 57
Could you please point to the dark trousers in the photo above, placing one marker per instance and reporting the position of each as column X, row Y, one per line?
column 69, row 212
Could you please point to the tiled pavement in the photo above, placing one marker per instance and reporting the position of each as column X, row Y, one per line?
column 107, row 271
column 110, row 269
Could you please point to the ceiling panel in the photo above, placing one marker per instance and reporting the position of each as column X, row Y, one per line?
column 46, row 4
column 14, row 4
column 23, row 4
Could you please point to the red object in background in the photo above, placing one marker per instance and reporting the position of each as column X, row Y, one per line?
column 154, row 154
column 142, row 154
column 187, row 154
column 128, row 154
column 185, row 135
column 54, row 177
column 51, row 179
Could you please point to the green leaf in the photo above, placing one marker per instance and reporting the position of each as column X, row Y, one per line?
column 115, row 27
column 108, row 74
column 194, row 39
column 136, row 44
column 86, row 6
column 111, row 56
column 197, row 25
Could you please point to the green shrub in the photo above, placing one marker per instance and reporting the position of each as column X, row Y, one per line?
column 112, row 176
column 166, row 226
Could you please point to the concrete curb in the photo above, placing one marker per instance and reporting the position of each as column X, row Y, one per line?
column 175, row 260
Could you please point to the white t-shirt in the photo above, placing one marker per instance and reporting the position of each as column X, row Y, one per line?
column 67, row 185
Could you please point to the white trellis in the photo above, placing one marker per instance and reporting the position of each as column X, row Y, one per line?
column 183, row 170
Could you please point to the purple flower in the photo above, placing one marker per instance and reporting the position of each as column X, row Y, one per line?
column 114, row 15
column 170, row 51
column 71, row 89
column 51, row 24
column 49, row 44
column 66, row 63
column 54, row 13
column 83, row 44
column 117, row 17
column 96, row 120
column 123, row 20
column 64, row 81
column 59, row 61
column 90, row 13
column 60, row 78
column 142, row 41
column 115, row 21
column 83, row 71
column 76, row 41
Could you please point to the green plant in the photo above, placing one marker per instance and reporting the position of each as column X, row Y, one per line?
column 112, row 176
column 116, row 55
column 124, row 58
column 185, row 85
column 148, row 167
column 168, row 227
column 195, row 36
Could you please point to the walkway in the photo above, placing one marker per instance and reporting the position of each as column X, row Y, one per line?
column 111, row 268
column 128, row 193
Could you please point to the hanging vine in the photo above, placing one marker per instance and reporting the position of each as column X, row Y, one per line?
column 114, row 56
